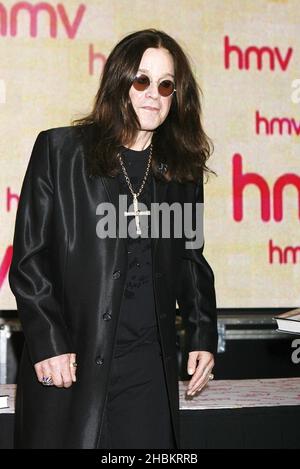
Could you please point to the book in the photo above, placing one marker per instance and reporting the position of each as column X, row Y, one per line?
column 289, row 321
column 3, row 402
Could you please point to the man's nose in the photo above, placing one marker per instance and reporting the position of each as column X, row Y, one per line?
column 152, row 91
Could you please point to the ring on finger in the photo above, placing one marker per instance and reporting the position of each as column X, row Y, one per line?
column 47, row 381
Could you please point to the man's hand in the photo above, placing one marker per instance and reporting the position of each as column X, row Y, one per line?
column 61, row 369
column 201, row 372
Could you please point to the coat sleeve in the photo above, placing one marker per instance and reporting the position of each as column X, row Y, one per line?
column 31, row 276
column 196, row 295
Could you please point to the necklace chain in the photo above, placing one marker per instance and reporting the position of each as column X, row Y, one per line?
column 145, row 177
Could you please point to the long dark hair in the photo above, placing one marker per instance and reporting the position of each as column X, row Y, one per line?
column 179, row 142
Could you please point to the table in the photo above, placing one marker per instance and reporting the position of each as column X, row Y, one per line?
column 242, row 414
column 226, row 414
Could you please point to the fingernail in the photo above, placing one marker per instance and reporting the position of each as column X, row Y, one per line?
column 190, row 371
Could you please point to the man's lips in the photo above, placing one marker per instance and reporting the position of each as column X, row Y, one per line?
column 149, row 108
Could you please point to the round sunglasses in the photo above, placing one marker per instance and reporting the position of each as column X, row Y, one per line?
column 165, row 88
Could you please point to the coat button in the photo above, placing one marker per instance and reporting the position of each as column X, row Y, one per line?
column 116, row 274
column 106, row 316
column 158, row 274
column 138, row 264
column 99, row 361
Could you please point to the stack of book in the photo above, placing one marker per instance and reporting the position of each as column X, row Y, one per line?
column 3, row 402
column 289, row 322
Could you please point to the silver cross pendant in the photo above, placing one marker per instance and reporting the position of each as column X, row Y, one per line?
column 136, row 212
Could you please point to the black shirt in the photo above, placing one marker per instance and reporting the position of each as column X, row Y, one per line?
column 137, row 323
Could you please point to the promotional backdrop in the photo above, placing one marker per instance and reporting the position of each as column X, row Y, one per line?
column 245, row 55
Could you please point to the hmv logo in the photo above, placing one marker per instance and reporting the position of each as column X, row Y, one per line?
column 12, row 18
column 267, row 194
column 255, row 58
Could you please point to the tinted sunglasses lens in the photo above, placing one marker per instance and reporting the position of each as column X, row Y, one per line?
column 166, row 88
column 141, row 83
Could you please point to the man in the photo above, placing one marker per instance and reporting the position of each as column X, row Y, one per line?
column 69, row 283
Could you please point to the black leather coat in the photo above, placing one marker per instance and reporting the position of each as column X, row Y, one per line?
column 66, row 279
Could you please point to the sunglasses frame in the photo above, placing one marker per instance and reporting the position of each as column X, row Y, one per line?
column 150, row 81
